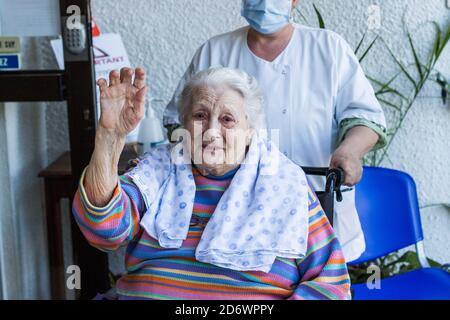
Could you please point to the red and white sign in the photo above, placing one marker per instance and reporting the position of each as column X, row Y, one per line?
column 109, row 55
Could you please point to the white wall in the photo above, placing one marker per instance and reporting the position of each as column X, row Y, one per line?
column 162, row 36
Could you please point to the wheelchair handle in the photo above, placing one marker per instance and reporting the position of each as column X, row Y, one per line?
column 334, row 178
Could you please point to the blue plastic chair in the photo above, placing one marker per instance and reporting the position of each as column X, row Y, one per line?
column 388, row 208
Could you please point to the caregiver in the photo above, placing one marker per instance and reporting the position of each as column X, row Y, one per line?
column 315, row 94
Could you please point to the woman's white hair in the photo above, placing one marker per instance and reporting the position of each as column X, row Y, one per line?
column 236, row 80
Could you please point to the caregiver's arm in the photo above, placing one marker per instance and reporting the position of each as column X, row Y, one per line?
column 361, row 120
column 358, row 141
column 323, row 272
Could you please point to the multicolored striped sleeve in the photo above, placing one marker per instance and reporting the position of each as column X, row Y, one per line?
column 109, row 227
column 323, row 272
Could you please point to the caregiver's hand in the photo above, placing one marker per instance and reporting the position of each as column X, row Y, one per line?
column 350, row 163
column 122, row 108
column 358, row 141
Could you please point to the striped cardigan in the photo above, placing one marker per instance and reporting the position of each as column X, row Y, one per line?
column 154, row 272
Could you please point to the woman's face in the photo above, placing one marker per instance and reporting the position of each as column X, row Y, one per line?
column 219, row 129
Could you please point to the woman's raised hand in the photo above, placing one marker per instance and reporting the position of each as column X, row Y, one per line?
column 122, row 103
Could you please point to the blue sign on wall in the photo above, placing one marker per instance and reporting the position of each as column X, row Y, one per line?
column 9, row 61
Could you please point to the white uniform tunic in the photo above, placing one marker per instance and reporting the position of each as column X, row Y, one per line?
column 313, row 85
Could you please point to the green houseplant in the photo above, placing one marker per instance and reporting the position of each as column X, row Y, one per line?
column 399, row 104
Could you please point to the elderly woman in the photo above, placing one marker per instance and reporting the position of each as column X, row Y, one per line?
column 220, row 215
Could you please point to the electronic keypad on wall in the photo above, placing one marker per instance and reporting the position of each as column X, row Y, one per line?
column 75, row 39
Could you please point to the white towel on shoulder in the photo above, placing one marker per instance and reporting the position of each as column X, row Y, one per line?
column 261, row 216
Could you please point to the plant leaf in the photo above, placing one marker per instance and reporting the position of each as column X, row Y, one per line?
column 390, row 89
column 390, row 104
column 436, row 47
column 445, row 41
column 302, row 15
column 360, row 43
column 319, row 17
column 434, row 264
column 387, row 84
column 368, row 49
column 416, row 57
column 410, row 78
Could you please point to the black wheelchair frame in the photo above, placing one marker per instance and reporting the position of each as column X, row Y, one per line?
column 334, row 180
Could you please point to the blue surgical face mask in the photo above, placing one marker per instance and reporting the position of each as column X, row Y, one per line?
column 267, row 16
